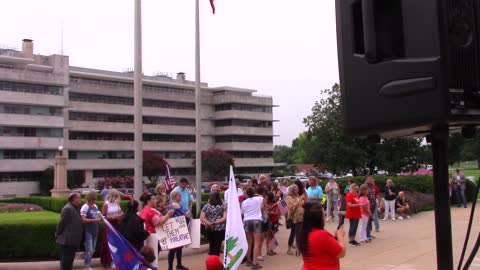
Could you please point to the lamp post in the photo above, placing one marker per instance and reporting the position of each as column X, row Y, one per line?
column 60, row 175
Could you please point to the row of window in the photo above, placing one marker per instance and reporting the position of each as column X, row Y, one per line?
column 251, row 154
column 239, row 138
column 19, row 176
column 74, row 96
column 125, row 155
column 243, row 107
column 125, row 85
column 31, row 88
column 243, row 123
column 31, row 132
column 107, row 136
column 30, row 109
column 122, row 118
column 27, row 154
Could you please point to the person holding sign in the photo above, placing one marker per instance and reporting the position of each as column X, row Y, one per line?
column 178, row 210
column 152, row 219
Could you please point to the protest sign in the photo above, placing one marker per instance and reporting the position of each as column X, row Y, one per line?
column 174, row 233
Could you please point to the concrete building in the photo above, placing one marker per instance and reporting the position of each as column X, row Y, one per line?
column 45, row 103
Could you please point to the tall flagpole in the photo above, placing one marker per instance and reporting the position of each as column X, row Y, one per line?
column 198, row 152
column 137, row 100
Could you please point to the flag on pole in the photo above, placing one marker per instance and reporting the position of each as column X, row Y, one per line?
column 125, row 256
column 213, row 6
column 236, row 245
column 282, row 205
column 169, row 181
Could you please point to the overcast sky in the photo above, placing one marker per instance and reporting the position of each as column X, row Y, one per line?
column 282, row 48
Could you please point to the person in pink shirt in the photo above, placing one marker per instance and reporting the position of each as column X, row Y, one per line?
column 366, row 213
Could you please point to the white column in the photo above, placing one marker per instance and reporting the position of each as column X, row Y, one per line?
column 198, row 150
column 137, row 100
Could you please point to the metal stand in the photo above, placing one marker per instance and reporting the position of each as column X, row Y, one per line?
column 443, row 225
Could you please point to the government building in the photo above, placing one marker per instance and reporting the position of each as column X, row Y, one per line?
column 46, row 103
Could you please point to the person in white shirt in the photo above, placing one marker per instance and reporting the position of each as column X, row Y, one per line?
column 239, row 190
column 252, row 222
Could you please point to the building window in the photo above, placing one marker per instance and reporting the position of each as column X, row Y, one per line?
column 31, row 88
column 153, row 120
column 100, row 117
column 20, row 176
column 243, row 123
column 112, row 173
column 30, row 110
column 100, row 155
column 168, row 104
column 27, row 154
column 31, row 132
column 175, row 155
column 107, row 136
column 240, row 138
column 243, row 107
column 251, row 154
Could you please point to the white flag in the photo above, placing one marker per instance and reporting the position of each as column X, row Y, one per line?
column 236, row 245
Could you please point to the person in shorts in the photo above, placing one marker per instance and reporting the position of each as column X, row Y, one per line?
column 252, row 221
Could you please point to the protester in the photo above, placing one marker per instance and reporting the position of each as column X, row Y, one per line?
column 353, row 214
column 91, row 217
column 252, row 220
column 69, row 231
column 366, row 213
column 213, row 216
column 460, row 186
column 390, row 194
column 132, row 226
column 314, row 192
column 319, row 249
column 403, row 209
column 375, row 209
column 113, row 213
column 277, row 193
column 273, row 218
column 295, row 214
column 152, row 219
column 332, row 190
column 186, row 199
column 265, row 183
column 104, row 192
column 302, row 191
column 347, row 187
column 163, row 199
column 178, row 210
column 239, row 190
column 215, row 188
column 213, row 262
column 372, row 197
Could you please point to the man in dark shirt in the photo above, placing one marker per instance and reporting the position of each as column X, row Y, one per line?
column 372, row 198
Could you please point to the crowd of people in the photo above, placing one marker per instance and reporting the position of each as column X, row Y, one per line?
column 308, row 207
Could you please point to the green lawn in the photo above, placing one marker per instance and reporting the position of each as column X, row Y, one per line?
column 37, row 217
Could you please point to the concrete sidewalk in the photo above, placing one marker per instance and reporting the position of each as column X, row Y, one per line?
column 400, row 245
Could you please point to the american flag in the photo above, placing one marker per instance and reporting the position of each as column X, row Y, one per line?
column 169, row 181
column 282, row 205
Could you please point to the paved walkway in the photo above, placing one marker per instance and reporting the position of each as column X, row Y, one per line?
column 400, row 245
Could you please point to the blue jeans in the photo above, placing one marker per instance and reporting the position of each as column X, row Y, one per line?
column 293, row 233
column 352, row 232
column 461, row 197
column 90, row 243
column 375, row 218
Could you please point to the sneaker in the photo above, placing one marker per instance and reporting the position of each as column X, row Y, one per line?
column 372, row 237
column 385, row 219
column 400, row 218
column 408, row 217
column 353, row 244
column 377, row 230
column 366, row 241
column 393, row 219
column 256, row 266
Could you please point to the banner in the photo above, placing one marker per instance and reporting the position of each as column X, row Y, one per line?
column 236, row 245
column 174, row 233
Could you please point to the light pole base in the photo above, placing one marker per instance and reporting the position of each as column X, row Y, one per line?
column 60, row 193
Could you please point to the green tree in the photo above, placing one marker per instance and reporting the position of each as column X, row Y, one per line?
column 282, row 154
column 455, row 147
column 328, row 145
column 397, row 154
column 471, row 150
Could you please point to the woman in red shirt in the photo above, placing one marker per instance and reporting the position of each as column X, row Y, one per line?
column 354, row 213
column 319, row 249
column 152, row 219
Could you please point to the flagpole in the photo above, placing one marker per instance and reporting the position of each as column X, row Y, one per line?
column 198, row 153
column 137, row 100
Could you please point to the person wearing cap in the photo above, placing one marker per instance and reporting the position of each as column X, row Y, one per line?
column 69, row 231
column 186, row 201
column 213, row 262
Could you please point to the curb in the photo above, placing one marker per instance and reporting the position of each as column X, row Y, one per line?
column 78, row 263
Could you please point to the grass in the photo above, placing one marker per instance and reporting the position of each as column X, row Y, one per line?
column 37, row 217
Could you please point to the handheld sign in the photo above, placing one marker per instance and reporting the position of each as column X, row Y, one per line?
column 174, row 233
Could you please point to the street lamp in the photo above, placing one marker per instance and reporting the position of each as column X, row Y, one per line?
column 60, row 150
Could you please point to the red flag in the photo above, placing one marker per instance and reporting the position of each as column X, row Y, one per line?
column 213, row 6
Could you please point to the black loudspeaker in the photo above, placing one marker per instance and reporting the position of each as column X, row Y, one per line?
column 406, row 65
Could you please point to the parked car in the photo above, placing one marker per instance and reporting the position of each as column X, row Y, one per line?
column 85, row 191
